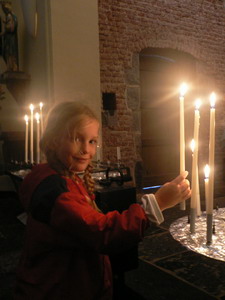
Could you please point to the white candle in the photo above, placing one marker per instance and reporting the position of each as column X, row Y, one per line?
column 207, row 172
column 211, row 151
column 193, row 188
column 118, row 153
column 199, row 210
column 209, row 208
column 37, row 116
column 193, row 177
column 41, row 117
column 31, row 133
column 26, row 138
column 98, row 153
column 195, row 182
column 183, row 90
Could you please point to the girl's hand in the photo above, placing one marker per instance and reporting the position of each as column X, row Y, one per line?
column 173, row 192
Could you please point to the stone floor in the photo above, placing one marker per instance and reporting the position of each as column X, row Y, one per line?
column 166, row 269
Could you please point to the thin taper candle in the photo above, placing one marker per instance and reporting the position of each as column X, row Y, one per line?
column 209, row 216
column 26, row 138
column 198, row 209
column 193, row 175
column 210, row 201
column 41, row 116
column 195, row 153
column 98, row 152
column 31, row 133
column 118, row 153
column 211, row 151
column 183, row 90
column 207, row 172
column 193, row 188
column 37, row 116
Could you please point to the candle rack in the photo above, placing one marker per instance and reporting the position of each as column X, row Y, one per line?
column 103, row 173
column 106, row 173
column 198, row 242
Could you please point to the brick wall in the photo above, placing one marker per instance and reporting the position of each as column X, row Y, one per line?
column 129, row 26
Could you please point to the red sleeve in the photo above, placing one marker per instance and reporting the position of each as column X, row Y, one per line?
column 105, row 232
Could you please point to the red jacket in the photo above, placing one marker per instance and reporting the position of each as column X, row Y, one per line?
column 67, row 240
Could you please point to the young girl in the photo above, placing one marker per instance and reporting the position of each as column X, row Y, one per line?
column 67, row 237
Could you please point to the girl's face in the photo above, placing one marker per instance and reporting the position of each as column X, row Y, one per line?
column 77, row 152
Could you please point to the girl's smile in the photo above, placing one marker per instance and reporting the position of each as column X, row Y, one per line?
column 76, row 153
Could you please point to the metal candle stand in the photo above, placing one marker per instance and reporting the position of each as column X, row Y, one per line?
column 105, row 174
column 208, row 239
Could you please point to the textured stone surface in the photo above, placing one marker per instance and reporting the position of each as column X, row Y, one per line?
column 128, row 27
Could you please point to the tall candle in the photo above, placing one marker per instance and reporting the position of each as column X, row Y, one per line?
column 198, row 200
column 41, row 116
column 183, row 90
column 207, row 172
column 195, row 197
column 118, row 153
column 193, row 187
column 195, row 153
column 98, row 153
column 26, row 138
column 211, row 152
column 37, row 116
column 209, row 216
column 194, row 173
column 31, row 133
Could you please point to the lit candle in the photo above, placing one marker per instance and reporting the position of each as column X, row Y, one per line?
column 211, row 151
column 207, row 171
column 118, row 153
column 209, row 217
column 196, row 138
column 193, row 188
column 198, row 208
column 37, row 117
column 98, row 153
column 41, row 117
column 31, row 133
column 195, row 182
column 26, row 138
column 193, row 174
column 183, row 90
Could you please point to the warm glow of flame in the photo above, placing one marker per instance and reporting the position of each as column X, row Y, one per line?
column 207, row 171
column 37, row 117
column 183, row 89
column 198, row 103
column 41, row 105
column 31, row 107
column 26, row 118
column 212, row 99
column 192, row 145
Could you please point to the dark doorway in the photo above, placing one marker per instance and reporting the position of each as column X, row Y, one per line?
column 161, row 73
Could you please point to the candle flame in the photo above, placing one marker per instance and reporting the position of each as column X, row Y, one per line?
column 212, row 99
column 207, row 171
column 198, row 103
column 41, row 105
column 192, row 145
column 183, row 89
column 31, row 107
column 37, row 117
column 26, row 118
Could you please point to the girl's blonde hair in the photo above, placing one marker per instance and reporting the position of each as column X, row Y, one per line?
column 62, row 121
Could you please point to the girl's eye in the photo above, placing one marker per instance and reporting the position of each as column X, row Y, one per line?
column 93, row 142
